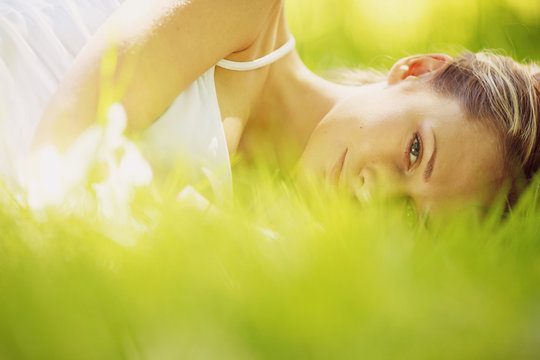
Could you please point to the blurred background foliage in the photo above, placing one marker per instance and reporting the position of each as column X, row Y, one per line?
column 375, row 33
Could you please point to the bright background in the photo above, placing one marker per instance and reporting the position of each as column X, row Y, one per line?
column 375, row 33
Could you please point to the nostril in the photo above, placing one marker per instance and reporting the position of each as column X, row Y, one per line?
column 359, row 187
column 365, row 176
column 362, row 180
column 366, row 182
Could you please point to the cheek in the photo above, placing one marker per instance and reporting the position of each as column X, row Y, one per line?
column 368, row 129
column 381, row 142
column 351, row 120
column 367, row 142
column 328, row 141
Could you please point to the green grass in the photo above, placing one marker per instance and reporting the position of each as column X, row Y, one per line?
column 280, row 274
column 277, row 275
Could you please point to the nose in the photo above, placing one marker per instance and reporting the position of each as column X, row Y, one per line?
column 376, row 181
column 363, row 185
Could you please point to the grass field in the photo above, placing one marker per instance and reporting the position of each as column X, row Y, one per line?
column 278, row 274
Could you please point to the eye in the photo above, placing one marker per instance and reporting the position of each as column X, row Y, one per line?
column 415, row 150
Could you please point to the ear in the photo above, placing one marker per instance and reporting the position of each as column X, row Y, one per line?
column 418, row 65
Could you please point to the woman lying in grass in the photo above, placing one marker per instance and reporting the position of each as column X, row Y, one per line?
column 203, row 79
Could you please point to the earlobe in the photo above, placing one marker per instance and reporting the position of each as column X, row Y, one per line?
column 418, row 65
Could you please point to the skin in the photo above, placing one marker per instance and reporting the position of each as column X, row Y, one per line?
column 356, row 137
column 365, row 144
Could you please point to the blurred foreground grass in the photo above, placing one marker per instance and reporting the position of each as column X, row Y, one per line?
column 277, row 274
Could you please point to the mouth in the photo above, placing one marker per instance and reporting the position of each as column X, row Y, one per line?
column 335, row 172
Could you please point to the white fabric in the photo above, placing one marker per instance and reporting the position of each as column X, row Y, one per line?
column 39, row 40
column 191, row 133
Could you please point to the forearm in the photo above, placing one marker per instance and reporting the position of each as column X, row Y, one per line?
column 105, row 72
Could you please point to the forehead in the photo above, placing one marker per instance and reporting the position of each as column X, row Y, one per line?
column 469, row 161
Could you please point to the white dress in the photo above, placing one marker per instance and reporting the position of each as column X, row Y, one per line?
column 39, row 40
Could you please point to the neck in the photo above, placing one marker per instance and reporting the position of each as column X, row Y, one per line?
column 293, row 102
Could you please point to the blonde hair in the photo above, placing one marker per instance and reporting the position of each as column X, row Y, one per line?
column 506, row 96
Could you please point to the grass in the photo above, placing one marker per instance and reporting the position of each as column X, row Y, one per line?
column 279, row 274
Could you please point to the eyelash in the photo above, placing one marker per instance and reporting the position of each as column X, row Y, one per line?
column 408, row 150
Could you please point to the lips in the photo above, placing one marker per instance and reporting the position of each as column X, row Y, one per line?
column 335, row 172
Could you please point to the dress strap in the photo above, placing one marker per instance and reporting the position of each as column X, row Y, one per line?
column 261, row 62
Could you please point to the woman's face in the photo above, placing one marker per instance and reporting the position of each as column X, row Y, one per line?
column 405, row 140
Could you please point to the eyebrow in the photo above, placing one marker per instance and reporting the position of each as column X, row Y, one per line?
column 429, row 167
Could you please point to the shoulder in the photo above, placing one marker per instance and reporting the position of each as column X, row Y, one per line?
column 237, row 21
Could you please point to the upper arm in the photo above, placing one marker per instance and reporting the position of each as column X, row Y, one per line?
column 158, row 48
column 178, row 41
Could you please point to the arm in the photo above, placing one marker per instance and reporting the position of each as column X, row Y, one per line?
column 144, row 56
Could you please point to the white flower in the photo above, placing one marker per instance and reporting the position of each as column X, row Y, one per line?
column 51, row 178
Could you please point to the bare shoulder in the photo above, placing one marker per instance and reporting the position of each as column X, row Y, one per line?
column 162, row 46
column 235, row 22
column 190, row 36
